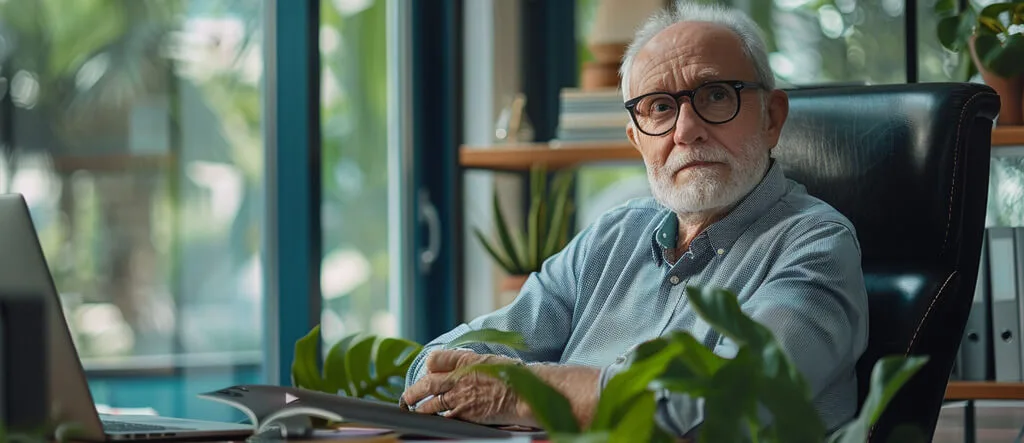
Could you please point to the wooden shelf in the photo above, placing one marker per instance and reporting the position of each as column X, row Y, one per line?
column 561, row 155
column 1008, row 136
column 554, row 155
column 984, row 390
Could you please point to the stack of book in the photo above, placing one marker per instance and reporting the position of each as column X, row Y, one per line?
column 591, row 115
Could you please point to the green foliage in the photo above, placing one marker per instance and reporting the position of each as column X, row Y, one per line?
column 759, row 376
column 511, row 339
column 368, row 366
column 359, row 365
column 547, row 225
column 22, row 437
column 888, row 375
column 552, row 409
column 46, row 433
column 997, row 49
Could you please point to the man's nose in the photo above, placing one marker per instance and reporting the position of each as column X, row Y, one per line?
column 690, row 128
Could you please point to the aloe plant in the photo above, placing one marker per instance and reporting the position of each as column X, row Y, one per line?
column 547, row 225
column 998, row 30
column 369, row 366
column 733, row 389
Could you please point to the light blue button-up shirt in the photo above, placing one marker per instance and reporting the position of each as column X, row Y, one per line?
column 793, row 261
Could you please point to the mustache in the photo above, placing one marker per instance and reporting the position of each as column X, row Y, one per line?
column 707, row 153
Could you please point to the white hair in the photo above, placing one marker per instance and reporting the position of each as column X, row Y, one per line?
column 685, row 11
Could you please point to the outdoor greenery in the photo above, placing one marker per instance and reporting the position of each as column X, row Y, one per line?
column 146, row 243
column 355, row 170
column 760, row 375
column 548, row 225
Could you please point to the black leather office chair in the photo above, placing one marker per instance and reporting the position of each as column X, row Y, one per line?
column 908, row 165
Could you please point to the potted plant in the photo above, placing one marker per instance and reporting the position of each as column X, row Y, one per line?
column 733, row 389
column 994, row 37
column 548, row 225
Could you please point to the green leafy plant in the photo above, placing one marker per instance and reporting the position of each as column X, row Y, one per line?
column 51, row 432
column 760, row 375
column 547, row 225
column 997, row 29
column 369, row 366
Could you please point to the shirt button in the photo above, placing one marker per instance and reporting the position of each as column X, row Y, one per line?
column 721, row 251
column 674, row 280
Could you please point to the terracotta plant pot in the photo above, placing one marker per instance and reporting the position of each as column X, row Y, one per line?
column 1010, row 90
column 509, row 288
column 603, row 72
column 596, row 76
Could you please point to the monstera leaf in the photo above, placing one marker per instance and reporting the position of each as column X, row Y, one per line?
column 359, row 365
column 305, row 370
column 369, row 366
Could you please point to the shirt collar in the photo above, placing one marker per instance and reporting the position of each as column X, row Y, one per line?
column 722, row 234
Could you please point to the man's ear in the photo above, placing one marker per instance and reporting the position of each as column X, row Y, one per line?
column 631, row 134
column 778, row 111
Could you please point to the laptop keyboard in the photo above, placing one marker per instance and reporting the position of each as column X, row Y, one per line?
column 120, row 426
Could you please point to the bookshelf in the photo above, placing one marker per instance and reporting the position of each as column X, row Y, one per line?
column 517, row 157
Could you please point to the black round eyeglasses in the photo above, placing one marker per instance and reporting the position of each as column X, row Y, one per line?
column 716, row 102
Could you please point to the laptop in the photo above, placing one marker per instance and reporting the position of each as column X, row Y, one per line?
column 23, row 270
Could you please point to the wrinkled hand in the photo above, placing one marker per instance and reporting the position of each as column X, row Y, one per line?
column 472, row 397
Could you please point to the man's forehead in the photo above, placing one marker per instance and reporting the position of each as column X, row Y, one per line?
column 699, row 52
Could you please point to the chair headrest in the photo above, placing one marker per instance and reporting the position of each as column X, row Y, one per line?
column 887, row 157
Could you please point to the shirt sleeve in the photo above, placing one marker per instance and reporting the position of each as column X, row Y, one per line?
column 815, row 304
column 542, row 312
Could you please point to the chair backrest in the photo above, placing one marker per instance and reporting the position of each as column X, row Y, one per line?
column 909, row 166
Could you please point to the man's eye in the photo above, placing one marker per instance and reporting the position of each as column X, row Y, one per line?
column 717, row 95
column 662, row 107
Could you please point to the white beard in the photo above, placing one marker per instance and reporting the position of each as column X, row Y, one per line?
column 707, row 188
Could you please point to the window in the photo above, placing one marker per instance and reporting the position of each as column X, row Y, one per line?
column 355, row 213
column 841, row 41
column 133, row 129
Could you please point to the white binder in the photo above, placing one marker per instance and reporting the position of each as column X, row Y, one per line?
column 974, row 361
column 1005, row 311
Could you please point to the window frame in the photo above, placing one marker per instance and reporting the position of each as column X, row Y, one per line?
column 292, row 295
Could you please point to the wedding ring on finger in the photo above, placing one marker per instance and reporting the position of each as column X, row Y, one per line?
column 442, row 403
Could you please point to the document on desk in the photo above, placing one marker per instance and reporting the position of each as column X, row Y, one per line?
column 279, row 406
column 346, row 434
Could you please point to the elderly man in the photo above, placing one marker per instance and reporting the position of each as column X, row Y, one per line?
column 705, row 116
